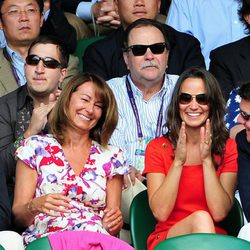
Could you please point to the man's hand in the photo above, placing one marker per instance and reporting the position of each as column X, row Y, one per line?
column 106, row 14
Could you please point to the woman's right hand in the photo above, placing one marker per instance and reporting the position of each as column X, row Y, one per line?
column 51, row 204
column 181, row 148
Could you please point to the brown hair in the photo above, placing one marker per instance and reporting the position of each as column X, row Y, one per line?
column 217, row 111
column 59, row 119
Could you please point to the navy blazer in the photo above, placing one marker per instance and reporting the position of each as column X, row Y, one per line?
column 105, row 57
column 230, row 64
column 243, row 147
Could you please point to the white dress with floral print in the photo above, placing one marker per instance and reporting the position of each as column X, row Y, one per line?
column 87, row 190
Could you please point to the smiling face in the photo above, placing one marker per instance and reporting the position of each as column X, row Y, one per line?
column 193, row 113
column 85, row 108
column 131, row 10
column 150, row 67
column 20, row 30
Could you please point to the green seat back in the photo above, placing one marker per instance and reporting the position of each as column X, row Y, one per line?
column 39, row 244
column 82, row 44
column 203, row 242
column 2, row 248
column 142, row 221
column 234, row 220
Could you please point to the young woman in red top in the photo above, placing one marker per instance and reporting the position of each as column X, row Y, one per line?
column 192, row 170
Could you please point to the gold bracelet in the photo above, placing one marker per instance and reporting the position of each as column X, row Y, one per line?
column 29, row 209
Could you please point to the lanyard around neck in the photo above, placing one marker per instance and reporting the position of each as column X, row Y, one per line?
column 136, row 113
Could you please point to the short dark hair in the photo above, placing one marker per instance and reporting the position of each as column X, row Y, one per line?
column 39, row 2
column 245, row 10
column 59, row 119
column 63, row 52
column 143, row 22
column 244, row 91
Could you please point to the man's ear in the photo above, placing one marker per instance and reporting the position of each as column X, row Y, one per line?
column 125, row 57
column 247, row 18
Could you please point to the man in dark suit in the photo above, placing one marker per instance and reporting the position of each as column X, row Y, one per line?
column 105, row 57
column 243, row 144
column 5, row 209
column 230, row 63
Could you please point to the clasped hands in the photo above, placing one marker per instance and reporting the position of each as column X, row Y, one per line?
column 205, row 143
column 106, row 14
column 56, row 205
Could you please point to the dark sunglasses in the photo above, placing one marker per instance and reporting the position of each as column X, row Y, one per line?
column 185, row 98
column 140, row 50
column 48, row 62
column 244, row 115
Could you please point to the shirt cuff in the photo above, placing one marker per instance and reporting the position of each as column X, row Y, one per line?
column 84, row 10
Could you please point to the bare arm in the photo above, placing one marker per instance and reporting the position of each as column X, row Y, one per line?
column 25, row 207
column 112, row 220
column 219, row 191
column 163, row 190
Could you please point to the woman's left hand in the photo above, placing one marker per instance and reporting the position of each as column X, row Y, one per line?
column 206, row 141
column 112, row 220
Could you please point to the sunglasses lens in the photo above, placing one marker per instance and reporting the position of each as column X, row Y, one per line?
column 50, row 63
column 185, row 98
column 157, row 48
column 32, row 60
column 245, row 115
column 201, row 99
column 139, row 50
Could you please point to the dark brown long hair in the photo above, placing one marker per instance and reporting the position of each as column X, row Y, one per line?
column 217, row 111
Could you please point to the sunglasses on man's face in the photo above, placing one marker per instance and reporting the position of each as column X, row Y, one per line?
column 48, row 62
column 244, row 115
column 185, row 98
column 140, row 50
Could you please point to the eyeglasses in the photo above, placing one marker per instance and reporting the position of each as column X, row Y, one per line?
column 48, row 62
column 244, row 115
column 30, row 11
column 140, row 50
column 185, row 98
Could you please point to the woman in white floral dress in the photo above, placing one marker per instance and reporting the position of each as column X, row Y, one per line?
column 71, row 179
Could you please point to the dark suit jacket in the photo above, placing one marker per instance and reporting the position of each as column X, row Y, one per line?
column 5, row 209
column 71, row 6
column 244, row 171
column 105, row 58
column 58, row 25
column 230, row 64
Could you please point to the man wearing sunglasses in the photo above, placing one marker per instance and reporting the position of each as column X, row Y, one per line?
column 21, row 22
column 142, row 95
column 243, row 145
column 24, row 111
column 105, row 56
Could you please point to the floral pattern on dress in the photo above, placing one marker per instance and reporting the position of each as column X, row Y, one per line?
column 87, row 190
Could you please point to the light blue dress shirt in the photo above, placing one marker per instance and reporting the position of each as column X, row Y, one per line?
column 212, row 22
column 18, row 64
column 84, row 10
column 125, row 135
